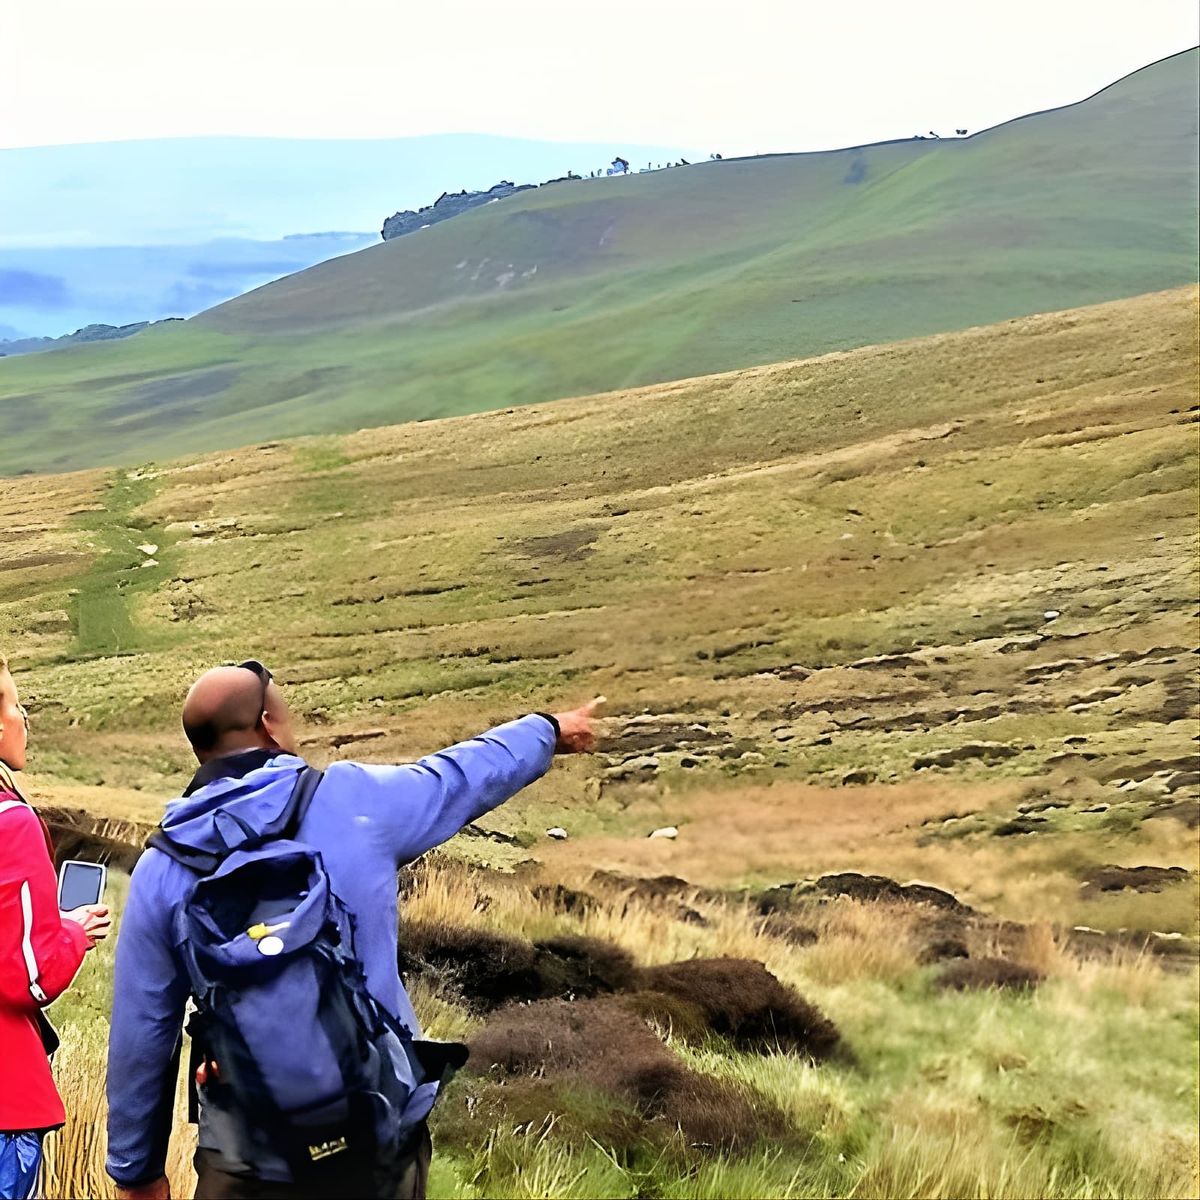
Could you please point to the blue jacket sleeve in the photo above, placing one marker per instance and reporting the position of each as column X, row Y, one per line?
column 150, row 993
column 410, row 809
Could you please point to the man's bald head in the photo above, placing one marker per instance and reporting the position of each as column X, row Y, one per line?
column 228, row 709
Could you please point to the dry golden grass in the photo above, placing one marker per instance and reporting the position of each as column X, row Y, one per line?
column 939, row 1103
column 860, row 941
column 746, row 830
column 74, row 1162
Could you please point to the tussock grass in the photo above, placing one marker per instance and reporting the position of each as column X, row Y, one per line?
column 1084, row 1088
column 858, row 941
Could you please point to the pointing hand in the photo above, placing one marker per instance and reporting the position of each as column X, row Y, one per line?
column 575, row 732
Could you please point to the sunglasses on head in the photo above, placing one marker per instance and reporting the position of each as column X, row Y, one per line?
column 264, row 676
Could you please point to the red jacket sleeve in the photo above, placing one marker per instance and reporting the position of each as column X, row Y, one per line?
column 39, row 951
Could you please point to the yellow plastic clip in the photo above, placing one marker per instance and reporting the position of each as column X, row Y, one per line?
column 261, row 930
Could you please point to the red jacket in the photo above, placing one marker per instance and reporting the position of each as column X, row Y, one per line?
column 39, row 955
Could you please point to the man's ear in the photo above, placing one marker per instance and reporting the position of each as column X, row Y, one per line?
column 269, row 727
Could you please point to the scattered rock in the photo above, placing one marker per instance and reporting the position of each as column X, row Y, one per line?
column 987, row 751
column 883, row 662
column 1187, row 811
column 1173, row 947
column 1035, row 806
column 667, row 831
column 149, row 549
column 363, row 735
column 1182, row 779
column 445, row 206
column 557, row 833
column 492, row 835
column 1153, row 766
column 1051, row 614
column 853, row 778
column 1095, row 696
column 642, row 767
column 1019, row 825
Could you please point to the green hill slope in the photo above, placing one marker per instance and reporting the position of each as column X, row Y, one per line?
column 924, row 610
column 611, row 283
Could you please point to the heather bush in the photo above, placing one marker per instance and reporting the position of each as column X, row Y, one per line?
column 605, row 1044
column 741, row 1000
column 972, row 973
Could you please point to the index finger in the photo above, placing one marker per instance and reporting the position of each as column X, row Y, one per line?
column 591, row 706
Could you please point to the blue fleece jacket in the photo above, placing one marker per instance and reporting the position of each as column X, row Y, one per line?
column 366, row 821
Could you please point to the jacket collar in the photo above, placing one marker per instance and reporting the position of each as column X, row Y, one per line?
column 230, row 766
column 7, row 783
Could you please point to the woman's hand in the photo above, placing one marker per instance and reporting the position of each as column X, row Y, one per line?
column 95, row 921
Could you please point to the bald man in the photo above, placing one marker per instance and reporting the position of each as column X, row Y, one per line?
column 366, row 821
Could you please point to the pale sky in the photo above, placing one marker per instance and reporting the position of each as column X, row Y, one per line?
column 737, row 76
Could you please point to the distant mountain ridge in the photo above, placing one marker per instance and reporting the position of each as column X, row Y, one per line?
column 109, row 232
column 616, row 282
column 89, row 333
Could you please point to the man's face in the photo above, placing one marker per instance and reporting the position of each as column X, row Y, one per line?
column 14, row 723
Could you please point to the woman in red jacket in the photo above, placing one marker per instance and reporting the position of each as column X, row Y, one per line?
column 40, row 951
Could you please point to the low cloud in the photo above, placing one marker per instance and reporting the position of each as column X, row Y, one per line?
column 189, row 297
column 243, row 270
column 30, row 289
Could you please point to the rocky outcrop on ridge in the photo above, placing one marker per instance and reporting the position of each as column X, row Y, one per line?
column 447, row 205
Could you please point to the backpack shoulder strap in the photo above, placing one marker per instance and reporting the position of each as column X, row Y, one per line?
column 302, row 795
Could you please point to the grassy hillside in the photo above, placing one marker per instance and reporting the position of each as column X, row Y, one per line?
column 619, row 282
column 739, row 546
column 821, row 597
